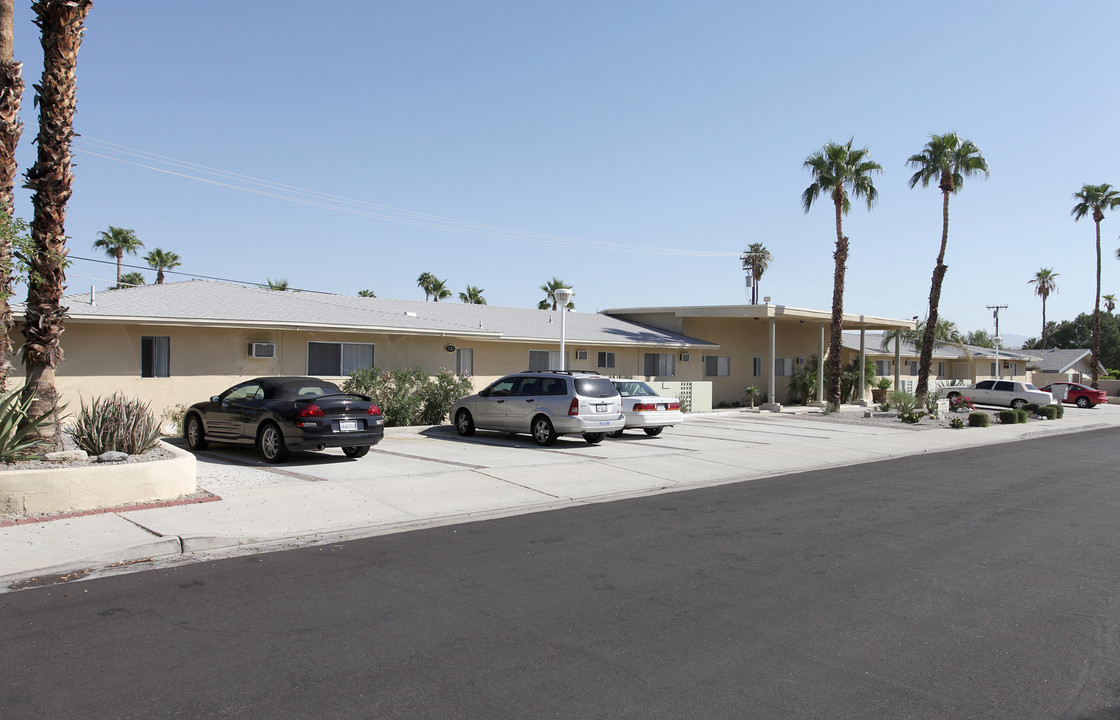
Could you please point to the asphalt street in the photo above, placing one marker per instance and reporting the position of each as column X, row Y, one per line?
column 980, row 583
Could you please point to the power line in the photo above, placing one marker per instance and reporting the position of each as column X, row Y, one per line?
column 187, row 274
column 336, row 203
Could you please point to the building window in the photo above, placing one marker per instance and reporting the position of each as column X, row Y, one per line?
column 783, row 367
column 882, row 367
column 913, row 367
column 606, row 360
column 717, row 366
column 756, row 367
column 155, row 356
column 338, row 359
column 993, row 372
column 660, row 365
column 540, row 360
column 940, row 369
column 464, row 362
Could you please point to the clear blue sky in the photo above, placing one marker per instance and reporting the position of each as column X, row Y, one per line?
column 662, row 126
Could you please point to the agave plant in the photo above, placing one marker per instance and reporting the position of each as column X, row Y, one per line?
column 17, row 427
column 115, row 423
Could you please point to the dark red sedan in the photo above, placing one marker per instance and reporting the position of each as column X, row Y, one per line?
column 1081, row 395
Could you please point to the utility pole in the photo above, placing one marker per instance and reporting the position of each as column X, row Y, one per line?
column 997, row 339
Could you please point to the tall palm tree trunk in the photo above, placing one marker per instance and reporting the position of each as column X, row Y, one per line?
column 62, row 26
column 11, row 93
column 1043, row 322
column 1096, row 357
column 939, row 270
column 834, row 344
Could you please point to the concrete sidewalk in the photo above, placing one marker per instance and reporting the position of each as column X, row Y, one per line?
column 422, row 477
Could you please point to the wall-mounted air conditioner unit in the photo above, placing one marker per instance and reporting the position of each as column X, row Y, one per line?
column 262, row 350
column 685, row 357
column 581, row 354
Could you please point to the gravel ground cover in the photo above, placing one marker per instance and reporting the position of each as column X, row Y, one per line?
column 890, row 419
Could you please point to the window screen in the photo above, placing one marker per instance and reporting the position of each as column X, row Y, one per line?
column 155, row 356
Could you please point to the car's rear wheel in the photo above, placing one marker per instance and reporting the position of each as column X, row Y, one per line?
column 194, row 433
column 1018, row 403
column 356, row 452
column 464, row 423
column 272, row 445
column 543, row 432
column 654, row 431
column 594, row 438
column 1083, row 402
column 616, row 433
column 953, row 396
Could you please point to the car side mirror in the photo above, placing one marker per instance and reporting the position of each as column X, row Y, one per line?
column 484, row 393
column 215, row 398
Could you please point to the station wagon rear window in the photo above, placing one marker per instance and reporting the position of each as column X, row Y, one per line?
column 595, row 387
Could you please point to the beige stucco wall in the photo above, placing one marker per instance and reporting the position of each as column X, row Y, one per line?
column 100, row 359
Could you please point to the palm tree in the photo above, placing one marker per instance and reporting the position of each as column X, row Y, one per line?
column 472, row 296
column 1109, row 303
column 945, row 332
column 279, row 284
column 838, row 170
column 424, row 282
column 549, row 288
column 758, row 259
column 949, row 160
column 1044, row 284
column 116, row 242
column 130, row 279
column 1093, row 200
column 366, row 293
column 439, row 290
column 161, row 261
column 11, row 92
column 62, row 23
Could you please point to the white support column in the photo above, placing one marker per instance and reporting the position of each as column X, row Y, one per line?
column 861, row 398
column 771, row 356
column 820, row 371
column 897, row 360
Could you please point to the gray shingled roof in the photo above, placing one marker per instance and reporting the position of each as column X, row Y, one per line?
column 208, row 302
column 873, row 342
column 1057, row 361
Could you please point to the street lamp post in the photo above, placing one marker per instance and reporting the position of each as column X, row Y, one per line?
column 562, row 296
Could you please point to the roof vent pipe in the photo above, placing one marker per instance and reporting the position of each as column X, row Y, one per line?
column 92, row 290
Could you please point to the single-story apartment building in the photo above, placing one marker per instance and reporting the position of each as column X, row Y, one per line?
column 182, row 342
column 1051, row 366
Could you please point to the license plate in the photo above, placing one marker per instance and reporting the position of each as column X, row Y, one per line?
column 662, row 407
column 602, row 408
column 347, row 425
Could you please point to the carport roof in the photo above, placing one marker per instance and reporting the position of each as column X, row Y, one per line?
column 778, row 312
column 208, row 303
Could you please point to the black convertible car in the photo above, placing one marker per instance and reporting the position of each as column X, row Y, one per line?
column 281, row 414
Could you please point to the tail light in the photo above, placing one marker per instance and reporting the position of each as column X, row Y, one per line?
column 675, row 406
column 640, row 407
column 573, row 409
column 373, row 409
column 310, row 411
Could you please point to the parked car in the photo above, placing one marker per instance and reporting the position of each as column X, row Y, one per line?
column 1008, row 393
column 645, row 409
column 281, row 414
column 545, row 405
column 1082, row 395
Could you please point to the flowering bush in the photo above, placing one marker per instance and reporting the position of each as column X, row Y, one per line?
column 960, row 403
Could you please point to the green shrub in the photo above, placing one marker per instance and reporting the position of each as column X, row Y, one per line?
column 1050, row 412
column 17, row 427
column 1061, row 410
column 956, row 423
column 979, row 419
column 931, row 402
column 410, row 397
column 1008, row 417
column 1031, row 407
column 1024, row 416
column 115, row 423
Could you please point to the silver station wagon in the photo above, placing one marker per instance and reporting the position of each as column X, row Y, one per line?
column 544, row 404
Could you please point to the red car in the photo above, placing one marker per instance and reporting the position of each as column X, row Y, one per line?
column 1070, row 392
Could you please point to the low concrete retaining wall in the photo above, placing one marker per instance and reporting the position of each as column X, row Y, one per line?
column 88, row 487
